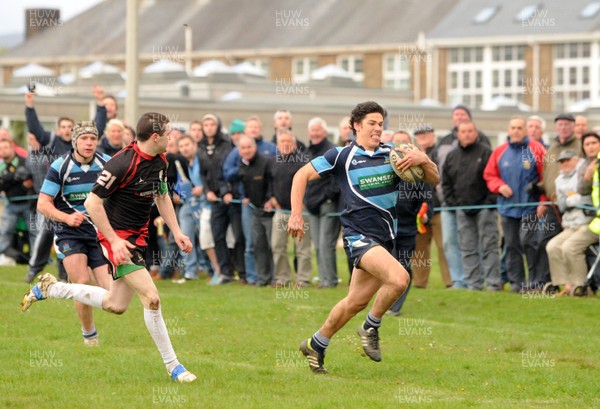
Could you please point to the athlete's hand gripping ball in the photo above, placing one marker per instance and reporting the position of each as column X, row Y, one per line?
column 406, row 160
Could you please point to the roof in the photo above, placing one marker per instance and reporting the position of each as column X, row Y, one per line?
column 236, row 25
column 551, row 17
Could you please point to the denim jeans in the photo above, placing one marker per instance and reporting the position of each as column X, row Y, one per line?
column 189, row 220
column 325, row 230
column 10, row 217
column 451, row 249
column 247, row 218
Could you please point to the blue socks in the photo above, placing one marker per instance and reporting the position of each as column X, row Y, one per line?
column 371, row 322
column 319, row 342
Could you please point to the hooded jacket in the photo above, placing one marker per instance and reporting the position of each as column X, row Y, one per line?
column 212, row 157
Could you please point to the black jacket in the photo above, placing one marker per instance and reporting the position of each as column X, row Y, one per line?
column 411, row 197
column 12, row 176
column 323, row 189
column 256, row 177
column 446, row 145
column 283, row 169
column 105, row 147
column 299, row 143
column 462, row 178
column 212, row 158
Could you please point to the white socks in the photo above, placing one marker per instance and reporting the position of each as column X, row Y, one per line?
column 157, row 328
column 85, row 294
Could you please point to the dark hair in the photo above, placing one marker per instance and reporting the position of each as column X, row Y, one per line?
column 149, row 124
column 586, row 135
column 362, row 110
column 186, row 136
column 114, row 100
column 65, row 118
column 131, row 130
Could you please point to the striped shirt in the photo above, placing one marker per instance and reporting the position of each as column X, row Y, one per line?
column 69, row 183
column 369, row 189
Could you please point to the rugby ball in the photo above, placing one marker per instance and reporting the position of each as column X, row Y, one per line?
column 414, row 173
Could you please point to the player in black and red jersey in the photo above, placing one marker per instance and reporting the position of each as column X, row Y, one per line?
column 119, row 206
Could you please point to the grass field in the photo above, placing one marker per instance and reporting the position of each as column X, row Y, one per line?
column 450, row 349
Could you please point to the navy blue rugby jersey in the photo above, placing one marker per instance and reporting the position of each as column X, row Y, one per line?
column 369, row 189
column 69, row 183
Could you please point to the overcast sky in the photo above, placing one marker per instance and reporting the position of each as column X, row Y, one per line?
column 12, row 17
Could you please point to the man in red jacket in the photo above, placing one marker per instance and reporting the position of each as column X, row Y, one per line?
column 513, row 166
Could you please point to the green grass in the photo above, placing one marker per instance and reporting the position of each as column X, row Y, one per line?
column 450, row 349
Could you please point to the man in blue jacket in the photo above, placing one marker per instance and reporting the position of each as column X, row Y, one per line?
column 231, row 170
column 513, row 166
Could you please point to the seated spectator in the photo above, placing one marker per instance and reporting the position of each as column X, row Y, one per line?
column 566, row 249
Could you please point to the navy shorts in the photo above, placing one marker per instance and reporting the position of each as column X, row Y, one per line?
column 357, row 245
column 90, row 247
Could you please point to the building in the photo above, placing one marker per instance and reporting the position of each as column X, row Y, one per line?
column 508, row 56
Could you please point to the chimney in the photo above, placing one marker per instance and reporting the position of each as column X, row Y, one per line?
column 38, row 20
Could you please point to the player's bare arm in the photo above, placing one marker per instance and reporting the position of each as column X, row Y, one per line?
column 301, row 179
column 165, row 208
column 46, row 207
column 120, row 247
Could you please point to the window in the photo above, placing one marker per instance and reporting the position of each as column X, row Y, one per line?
column 485, row 14
column 591, row 10
column 396, row 72
column 527, row 12
column 260, row 63
column 507, row 78
column 302, row 68
column 465, row 75
column 572, row 77
column 353, row 64
column 508, row 53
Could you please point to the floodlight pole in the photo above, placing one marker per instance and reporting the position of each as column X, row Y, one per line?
column 188, row 49
column 132, row 63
